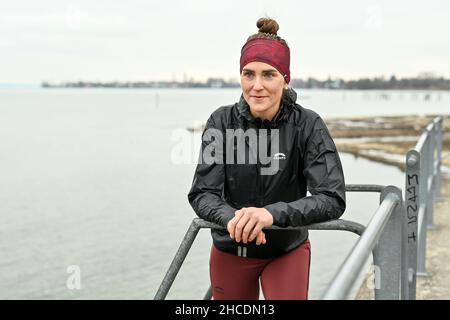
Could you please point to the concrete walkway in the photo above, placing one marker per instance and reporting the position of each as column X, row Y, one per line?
column 437, row 286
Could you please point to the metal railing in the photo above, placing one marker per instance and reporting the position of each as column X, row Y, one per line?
column 383, row 237
column 422, row 187
column 197, row 224
column 395, row 235
column 398, row 232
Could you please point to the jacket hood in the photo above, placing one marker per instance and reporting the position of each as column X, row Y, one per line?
column 287, row 102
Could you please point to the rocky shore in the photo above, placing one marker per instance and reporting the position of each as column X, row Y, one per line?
column 383, row 139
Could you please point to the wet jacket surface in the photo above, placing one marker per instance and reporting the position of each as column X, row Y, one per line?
column 309, row 162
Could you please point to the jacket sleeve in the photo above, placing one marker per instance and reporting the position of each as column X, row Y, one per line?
column 325, row 179
column 206, row 194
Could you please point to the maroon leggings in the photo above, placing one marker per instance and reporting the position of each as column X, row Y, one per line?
column 282, row 278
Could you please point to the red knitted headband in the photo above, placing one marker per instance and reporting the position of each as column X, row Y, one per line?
column 270, row 51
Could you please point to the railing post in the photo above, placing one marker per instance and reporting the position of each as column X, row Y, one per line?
column 439, row 136
column 423, row 211
column 388, row 252
column 430, row 175
column 412, row 205
column 177, row 261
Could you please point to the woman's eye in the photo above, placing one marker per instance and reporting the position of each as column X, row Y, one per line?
column 269, row 75
column 248, row 74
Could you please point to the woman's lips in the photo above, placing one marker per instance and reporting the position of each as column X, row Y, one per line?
column 259, row 97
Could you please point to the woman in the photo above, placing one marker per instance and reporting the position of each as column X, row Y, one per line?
column 245, row 199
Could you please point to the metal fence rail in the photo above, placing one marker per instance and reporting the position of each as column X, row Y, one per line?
column 383, row 237
column 396, row 234
column 197, row 224
column 400, row 258
column 422, row 187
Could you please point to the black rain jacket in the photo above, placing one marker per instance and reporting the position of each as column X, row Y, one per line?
column 310, row 162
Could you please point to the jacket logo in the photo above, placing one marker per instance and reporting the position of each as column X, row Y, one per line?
column 279, row 156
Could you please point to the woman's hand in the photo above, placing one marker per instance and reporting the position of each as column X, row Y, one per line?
column 260, row 238
column 248, row 223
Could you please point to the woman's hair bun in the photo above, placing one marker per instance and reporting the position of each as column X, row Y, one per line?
column 267, row 25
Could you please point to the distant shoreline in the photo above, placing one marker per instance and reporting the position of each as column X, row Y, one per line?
column 295, row 88
column 422, row 82
column 224, row 88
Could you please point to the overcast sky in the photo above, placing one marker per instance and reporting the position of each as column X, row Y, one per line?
column 105, row 40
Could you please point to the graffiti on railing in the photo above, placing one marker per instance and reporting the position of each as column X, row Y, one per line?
column 412, row 184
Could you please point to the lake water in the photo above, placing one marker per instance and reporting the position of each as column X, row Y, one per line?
column 88, row 179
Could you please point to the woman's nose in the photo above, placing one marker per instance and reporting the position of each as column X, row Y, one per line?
column 258, row 84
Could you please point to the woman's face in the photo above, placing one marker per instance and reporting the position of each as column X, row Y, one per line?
column 262, row 86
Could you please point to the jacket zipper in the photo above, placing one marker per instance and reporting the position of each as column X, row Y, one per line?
column 261, row 195
column 258, row 183
column 259, row 176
